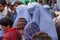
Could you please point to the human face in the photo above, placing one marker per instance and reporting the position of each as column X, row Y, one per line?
column 15, row 6
column 4, row 28
column 21, row 26
column 1, row 7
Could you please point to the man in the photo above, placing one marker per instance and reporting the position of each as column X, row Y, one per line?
column 2, row 7
column 10, row 33
column 16, row 4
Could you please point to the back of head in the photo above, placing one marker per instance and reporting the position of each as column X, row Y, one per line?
column 3, row 2
column 41, row 36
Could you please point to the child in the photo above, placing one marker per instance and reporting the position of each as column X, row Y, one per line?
column 21, row 25
column 41, row 36
column 10, row 33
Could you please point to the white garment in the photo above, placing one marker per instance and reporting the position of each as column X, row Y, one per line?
column 4, row 13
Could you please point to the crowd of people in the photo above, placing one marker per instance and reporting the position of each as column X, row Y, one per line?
column 33, row 21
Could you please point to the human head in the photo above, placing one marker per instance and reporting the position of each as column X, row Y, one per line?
column 41, row 36
column 6, row 23
column 39, row 1
column 21, row 24
column 2, row 5
column 17, row 3
column 9, row 5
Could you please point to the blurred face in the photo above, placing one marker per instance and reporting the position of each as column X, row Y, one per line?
column 21, row 26
column 15, row 7
column 4, row 28
column 1, row 7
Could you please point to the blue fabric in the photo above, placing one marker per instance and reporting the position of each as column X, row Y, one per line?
column 56, row 8
column 14, row 16
column 22, row 11
column 45, row 22
column 47, row 9
column 31, row 28
column 1, row 31
column 31, row 8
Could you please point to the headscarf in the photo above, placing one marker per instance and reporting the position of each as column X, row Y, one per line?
column 47, row 8
column 44, row 21
column 22, row 11
column 56, row 8
column 30, row 29
column 31, row 8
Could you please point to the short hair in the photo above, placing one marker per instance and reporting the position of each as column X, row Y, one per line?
column 3, row 2
column 9, row 4
column 18, row 2
column 6, row 21
column 40, row 1
column 41, row 36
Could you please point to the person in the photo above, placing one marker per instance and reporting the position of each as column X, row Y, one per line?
column 20, row 26
column 9, row 32
column 16, row 4
column 56, row 8
column 22, row 11
column 9, row 6
column 9, row 14
column 40, row 1
column 43, row 20
column 47, row 8
column 2, row 7
column 57, row 23
column 30, row 29
column 41, row 36
column 30, row 8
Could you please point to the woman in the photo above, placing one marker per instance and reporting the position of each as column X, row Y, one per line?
column 48, row 10
column 44, row 21
column 22, row 11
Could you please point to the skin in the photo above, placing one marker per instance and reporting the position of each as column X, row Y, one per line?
column 4, row 28
column 2, row 7
column 15, row 6
column 21, row 26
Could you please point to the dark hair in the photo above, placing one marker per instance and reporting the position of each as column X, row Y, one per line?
column 40, row 2
column 6, row 21
column 41, row 36
column 22, row 20
column 18, row 2
column 3, row 2
column 35, row 0
column 9, row 4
